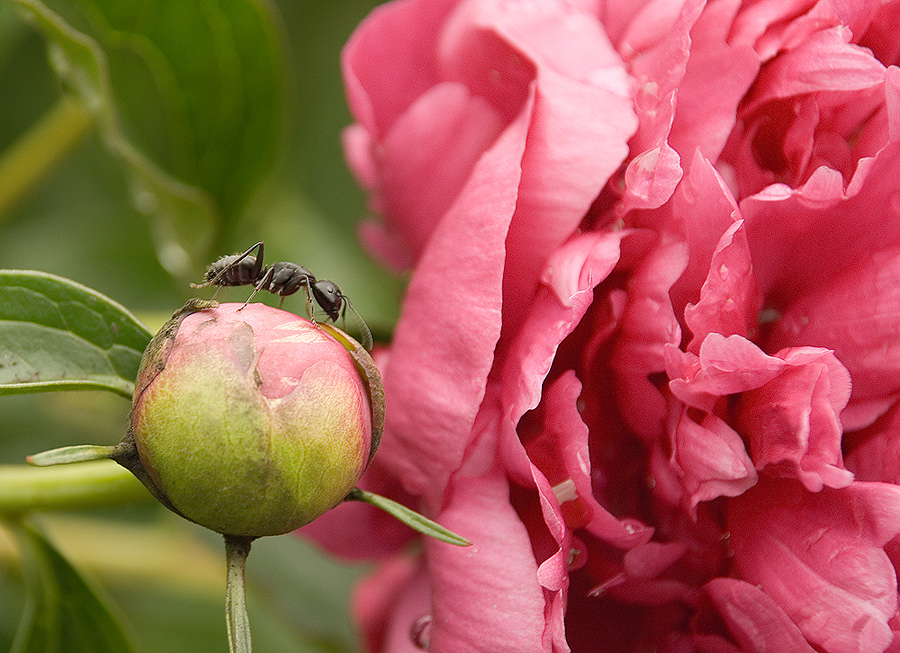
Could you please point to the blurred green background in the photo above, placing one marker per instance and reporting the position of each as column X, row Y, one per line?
column 166, row 576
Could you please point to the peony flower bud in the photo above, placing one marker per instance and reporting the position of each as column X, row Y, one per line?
column 253, row 421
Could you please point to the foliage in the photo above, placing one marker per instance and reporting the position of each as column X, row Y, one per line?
column 138, row 142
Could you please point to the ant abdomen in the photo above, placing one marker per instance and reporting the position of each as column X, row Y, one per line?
column 233, row 271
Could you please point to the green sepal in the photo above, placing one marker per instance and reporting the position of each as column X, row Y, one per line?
column 411, row 518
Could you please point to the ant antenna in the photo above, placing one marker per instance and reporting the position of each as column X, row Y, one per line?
column 365, row 334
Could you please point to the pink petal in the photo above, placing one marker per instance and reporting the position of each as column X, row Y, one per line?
column 444, row 342
column 825, row 61
column 725, row 366
column 658, row 45
column 439, row 139
column 647, row 327
column 778, row 25
column 793, row 421
column 485, row 597
column 711, row 459
column 388, row 61
column 707, row 112
column 820, row 557
column 651, row 178
column 704, row 208
column 755, row 621
column 729, row 300
column 858, row 316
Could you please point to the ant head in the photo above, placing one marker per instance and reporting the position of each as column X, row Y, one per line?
column 329, row 297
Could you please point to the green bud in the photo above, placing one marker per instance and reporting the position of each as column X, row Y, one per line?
column 252, row 421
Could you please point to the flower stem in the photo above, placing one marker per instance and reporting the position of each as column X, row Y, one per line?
column 67, row 487
column 24, row 164
column 236, row 550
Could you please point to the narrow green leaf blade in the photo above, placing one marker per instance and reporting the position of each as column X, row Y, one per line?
column 56, row 334
column 63, row 614
column 409, row 517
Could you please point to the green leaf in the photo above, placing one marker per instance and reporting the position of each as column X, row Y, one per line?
column 56, row 334
column 189, row 93
column 63, row 612
column 410, row 517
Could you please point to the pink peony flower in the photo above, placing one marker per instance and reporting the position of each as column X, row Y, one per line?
column 651, row 329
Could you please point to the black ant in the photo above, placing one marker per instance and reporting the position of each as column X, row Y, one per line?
column 282, row 278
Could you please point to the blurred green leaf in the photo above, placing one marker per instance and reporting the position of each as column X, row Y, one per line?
column 56, row 334
column 190, row 94
column 63, row 613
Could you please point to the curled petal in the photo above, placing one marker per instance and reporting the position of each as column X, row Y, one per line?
column 793, row 422
column 826, row 61
column 711, row 459
column 724, row 366
column 729, row 300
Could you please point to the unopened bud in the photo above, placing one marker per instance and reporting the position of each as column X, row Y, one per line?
column 255, row 421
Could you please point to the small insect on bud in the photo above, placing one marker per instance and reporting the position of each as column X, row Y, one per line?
column 253, row 422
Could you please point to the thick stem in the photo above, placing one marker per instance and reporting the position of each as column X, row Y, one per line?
column 237, row 548
column 67, row 487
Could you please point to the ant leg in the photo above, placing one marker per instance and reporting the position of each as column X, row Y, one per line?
column 257, row 267
column 310, row 307
column 267, row 277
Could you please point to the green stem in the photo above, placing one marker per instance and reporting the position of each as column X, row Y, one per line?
column 24, row 164
column 237, row 548
column 68, row 487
